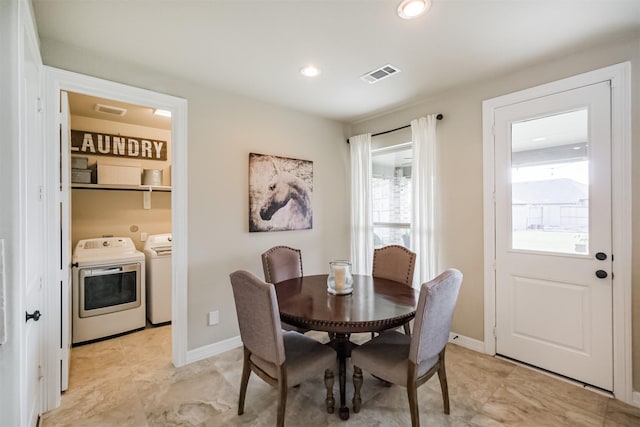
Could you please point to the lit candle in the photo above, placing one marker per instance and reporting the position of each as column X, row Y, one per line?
column 339, row 274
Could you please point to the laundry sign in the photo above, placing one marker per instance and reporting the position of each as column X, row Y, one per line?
column 101, row 144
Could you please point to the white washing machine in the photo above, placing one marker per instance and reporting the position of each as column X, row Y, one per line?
column 108, row 288
column 157, row 252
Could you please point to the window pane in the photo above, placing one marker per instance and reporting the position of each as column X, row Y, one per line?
column 391, row 195
column 391, row 185
column 550, row 183
column 385, row 235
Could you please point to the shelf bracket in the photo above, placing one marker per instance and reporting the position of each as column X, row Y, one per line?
column 146, row 199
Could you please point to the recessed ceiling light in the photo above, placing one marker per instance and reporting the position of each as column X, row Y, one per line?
column 409, row 9
column 163, row 113
column 310, row 71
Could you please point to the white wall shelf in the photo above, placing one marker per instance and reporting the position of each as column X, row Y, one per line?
column 149, row 188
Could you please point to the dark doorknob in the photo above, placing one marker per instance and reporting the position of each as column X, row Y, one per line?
column 601, row 256
column 35, row 316
column 601, row 274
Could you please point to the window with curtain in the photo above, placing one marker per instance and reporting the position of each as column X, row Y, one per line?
column 391, row 195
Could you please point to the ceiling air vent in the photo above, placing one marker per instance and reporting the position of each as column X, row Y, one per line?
column 110, row 109
column 380, row 73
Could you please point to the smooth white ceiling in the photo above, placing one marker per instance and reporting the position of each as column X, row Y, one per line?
column 256, row 48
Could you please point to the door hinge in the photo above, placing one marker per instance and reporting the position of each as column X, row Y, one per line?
column 495, row 332
column 493, row 129
column 39, row 105
column 40, row 373
column 41, row 193
column 493, row 265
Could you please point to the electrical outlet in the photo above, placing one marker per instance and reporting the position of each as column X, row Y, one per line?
column 143, row 236
column 214, row 317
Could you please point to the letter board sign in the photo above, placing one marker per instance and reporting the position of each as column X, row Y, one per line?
column 100, row 144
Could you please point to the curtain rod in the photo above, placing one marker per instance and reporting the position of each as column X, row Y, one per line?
column 438, row 117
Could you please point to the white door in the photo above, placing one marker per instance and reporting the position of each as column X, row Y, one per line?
column 65, row 240
column 32, row 232
column 553, row 233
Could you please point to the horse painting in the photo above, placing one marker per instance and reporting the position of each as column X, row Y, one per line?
column 279, row 193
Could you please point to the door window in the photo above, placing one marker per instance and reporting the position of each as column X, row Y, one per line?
column 550, row 183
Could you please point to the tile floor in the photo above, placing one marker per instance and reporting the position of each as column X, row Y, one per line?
column 129, row 381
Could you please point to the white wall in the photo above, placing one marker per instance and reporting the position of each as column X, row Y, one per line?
column 460, row 219
column 9, row 352
column 223, row 129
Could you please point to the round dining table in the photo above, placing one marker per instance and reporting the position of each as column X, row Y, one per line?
column 374, row 305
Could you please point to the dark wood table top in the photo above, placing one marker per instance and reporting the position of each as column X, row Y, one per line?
column 375, row 304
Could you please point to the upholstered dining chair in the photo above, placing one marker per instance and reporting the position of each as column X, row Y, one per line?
column 394, row 262
column 410, row 361
column 282, row 263
column 282, row 359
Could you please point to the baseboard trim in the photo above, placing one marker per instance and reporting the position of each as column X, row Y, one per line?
column 466, row 342
column 213, row 349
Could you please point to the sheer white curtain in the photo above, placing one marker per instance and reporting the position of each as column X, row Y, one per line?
column 361, row 216
column 423, row 131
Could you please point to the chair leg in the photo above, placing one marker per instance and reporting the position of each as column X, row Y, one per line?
column 357, row 385
column 407, row 329
column 442, row 376
column 328, row 381
column 246, row 372
column 412, row 394
column 282, row 396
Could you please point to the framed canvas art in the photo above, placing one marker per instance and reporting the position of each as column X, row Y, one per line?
column 279, row 193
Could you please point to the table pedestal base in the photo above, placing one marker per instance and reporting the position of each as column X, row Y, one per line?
column 342, row 346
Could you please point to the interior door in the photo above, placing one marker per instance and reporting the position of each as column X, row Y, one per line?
column 553, row 233
column 65, row 239
column 32, row 231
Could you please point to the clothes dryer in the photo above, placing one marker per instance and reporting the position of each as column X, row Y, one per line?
column 108, row 295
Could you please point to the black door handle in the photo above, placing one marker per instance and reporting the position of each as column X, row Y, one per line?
column 35, row 316
column 601, row 256
column 601, row 274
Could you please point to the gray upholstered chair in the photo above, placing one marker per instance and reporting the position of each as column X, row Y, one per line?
column 282, row 359
column 410, row 361
column 395, row 263
column 282, row 263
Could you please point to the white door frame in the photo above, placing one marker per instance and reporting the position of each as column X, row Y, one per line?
column 59, row 80
column 620, row 77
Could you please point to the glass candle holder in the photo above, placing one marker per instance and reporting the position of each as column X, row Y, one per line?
column 339, row 281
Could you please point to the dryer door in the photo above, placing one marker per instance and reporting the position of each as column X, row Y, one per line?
column 107, row 289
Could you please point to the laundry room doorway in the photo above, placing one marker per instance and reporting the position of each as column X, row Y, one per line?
column 120, row 198
column 117, row 178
